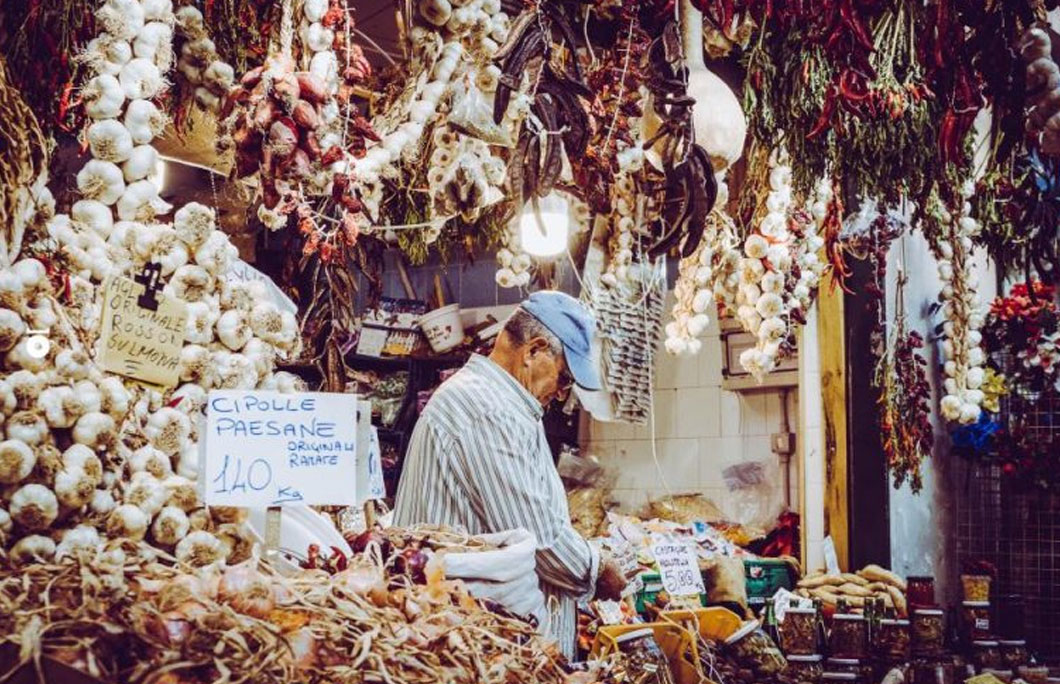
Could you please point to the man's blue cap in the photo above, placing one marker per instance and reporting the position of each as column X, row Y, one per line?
column 571, row 322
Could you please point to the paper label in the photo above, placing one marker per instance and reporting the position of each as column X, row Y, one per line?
column 679, row 568
column 273, row 449
column 782, row 603
column 242, row 272
column 610, row 612
column 369, row 459
column 139, row 343
column 372, row 341
column 831, row 559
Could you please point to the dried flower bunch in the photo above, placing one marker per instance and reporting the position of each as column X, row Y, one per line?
column 905, row 411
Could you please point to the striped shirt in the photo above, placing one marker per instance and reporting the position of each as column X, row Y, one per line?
column 478, row 459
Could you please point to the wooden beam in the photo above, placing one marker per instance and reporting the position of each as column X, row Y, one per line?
column 830, row 331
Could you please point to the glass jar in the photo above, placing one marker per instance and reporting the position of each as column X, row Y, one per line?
column 644, row 656
column 1014, row 653
column 755, row 650
column 841, row 678
column 1003, row 675
column 920, row 592
column 798, row 631
column 986, row 655
column 805, row 669
column 934, row 671
column 849, row 636
column 1036, row 674
column 892, row 641
column 862, row 668
column 975, row 620
column 976, row 587
column 928, row 631
column 1010, row 616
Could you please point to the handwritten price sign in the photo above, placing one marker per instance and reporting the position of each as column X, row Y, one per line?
column 679, row 568
column 272, row 449
column 140, row 343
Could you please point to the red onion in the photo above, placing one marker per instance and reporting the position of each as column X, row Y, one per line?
column 251, row 78
column 283, row 137
column 286, row 90
column 412, row 562
column 311, row 87
column 264, row 114
column 305, row 115
column 246, row 590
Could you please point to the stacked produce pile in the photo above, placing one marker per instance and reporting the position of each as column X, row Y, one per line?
column 872, row 581
column 115, row 613
column 88, row 454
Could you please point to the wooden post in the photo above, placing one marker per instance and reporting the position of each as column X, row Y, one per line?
column 830, row 330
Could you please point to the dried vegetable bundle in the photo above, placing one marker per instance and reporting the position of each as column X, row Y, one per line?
column 23, row 169
column 117, row 614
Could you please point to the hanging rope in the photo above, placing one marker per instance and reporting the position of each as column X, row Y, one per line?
column 287, row 28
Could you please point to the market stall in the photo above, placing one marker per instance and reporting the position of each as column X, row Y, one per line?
column 246, row 244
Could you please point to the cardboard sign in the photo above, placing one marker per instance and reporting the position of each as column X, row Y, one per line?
column 139, row 343
column 242, row 272
column 679, row 568
column 274, row 449
column 369, row 461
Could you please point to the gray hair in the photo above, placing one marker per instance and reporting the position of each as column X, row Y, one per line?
column 523, row 327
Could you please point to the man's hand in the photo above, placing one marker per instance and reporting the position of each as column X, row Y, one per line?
column 611, row 581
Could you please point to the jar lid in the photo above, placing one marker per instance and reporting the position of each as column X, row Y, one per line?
column 976, row 574
column 801, row 611
column 745, row 629
column 897, row 622
column 976, row 604
column 844, row 661
column 634, row 635
column 990, row 670
column 805, row 658
column 840, row 676
column 920, row 578
column 1013, row 642
column 849, row 616
column 985, row 643
column 928, row 611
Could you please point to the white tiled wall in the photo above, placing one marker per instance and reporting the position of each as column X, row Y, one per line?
column 700, row 430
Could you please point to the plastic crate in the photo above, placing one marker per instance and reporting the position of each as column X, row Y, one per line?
column 764, row 576
column 653, row 586
column 715, row 623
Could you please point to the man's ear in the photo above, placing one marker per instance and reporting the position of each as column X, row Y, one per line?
column 537, row 345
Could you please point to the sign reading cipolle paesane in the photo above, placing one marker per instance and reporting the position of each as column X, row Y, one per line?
column 274, row 449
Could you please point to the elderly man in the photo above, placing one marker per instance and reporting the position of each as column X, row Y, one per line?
column 478, row 457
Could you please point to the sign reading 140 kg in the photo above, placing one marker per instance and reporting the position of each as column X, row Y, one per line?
column 272, row 449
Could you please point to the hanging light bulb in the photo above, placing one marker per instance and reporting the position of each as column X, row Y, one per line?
column 544, row 225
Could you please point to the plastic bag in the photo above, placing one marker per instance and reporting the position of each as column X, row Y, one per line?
column 472, row 115
column 725, row 581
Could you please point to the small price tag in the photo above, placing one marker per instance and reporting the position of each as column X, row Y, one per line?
column 610, row 612
column 782, row 601
column 679, row 568
column 372, row 341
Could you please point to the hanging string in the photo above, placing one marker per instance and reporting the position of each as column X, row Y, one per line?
column 287, row 28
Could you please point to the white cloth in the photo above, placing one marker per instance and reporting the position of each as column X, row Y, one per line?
column 505, row 576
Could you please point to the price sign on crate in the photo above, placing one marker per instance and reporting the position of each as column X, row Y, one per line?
column 267, row 449
column 679, row 568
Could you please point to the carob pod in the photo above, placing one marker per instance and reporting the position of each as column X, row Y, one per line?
column 512, row 72
column 553, row 161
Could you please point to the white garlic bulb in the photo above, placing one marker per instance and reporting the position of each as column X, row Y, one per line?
column 127, row 521
column 16, row 461
column 109, row 140
column 34, row 506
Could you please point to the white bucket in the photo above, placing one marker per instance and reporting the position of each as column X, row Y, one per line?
column 443, row 328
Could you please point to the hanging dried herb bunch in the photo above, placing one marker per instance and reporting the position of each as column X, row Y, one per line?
column 905, row 412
